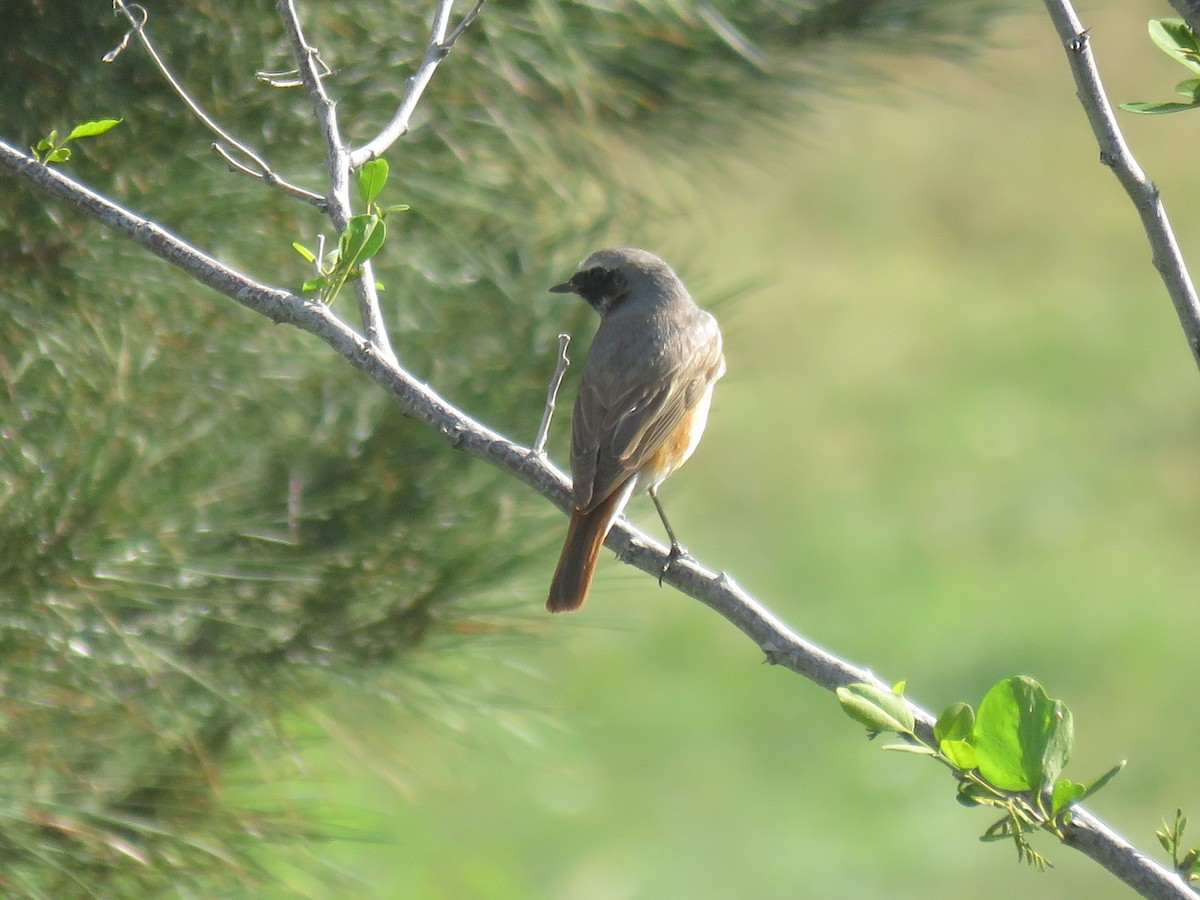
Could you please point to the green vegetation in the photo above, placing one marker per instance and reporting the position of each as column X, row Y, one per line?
column 956, row 441
column 1008, row 756
column 1176, row 39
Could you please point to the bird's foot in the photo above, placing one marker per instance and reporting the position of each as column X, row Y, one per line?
column 678, row 552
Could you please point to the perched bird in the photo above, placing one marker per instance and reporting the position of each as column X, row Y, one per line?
column 642, row 404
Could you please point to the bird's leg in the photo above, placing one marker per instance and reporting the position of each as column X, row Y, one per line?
column 677, row 549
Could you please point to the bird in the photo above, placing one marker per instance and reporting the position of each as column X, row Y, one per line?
column 642, row 403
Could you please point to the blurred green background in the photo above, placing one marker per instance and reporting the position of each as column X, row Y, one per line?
column 958, row 440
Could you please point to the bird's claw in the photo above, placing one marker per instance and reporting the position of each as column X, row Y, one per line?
column 677, row 552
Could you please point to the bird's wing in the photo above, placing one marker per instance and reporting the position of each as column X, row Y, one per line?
column 619, row 423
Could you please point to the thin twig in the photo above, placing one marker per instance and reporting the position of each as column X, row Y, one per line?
column 435, row 51
column 137, row 17
column 1115, row 154
column 560, row 369
column 337, row 158
column 269, row 178
column 779, row 644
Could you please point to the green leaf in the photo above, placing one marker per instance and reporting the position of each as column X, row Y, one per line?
column 46, row 143
column 1103, row 780
column 89, row 129
column 304, row 251
column 371, row 179
column 361, row 240
column 876, row 708
column 61, row 154
column 955, row 722
column 960, row 753
column 314, row 284
column 1022, row 738
column 395, row 208
column 919, row 749
column 1157, row 109
column 368, row 239
column 1066, row 793
column 1189, row 88
column 971, row 794
column 1177, row 40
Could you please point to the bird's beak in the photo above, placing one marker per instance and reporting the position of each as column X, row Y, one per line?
column 567, row 287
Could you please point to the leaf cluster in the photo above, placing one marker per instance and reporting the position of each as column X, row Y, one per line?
column 51, row 150
column 359, row 241
column 1185, row 861
column 1176, row 39
column 1009, row 755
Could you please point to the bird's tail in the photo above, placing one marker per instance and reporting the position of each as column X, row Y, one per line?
column 581, row 550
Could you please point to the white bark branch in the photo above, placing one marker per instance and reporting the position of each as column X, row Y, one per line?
column 337, row 159
column 779, row 644
column 439, row 45
column 258, row 167
column 1115, row 154
column 560, row 369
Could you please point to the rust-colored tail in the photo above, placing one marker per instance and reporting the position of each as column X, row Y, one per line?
column 581, row 550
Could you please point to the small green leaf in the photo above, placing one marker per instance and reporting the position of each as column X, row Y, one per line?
column 1189, row 88
column 998, row 831
column 1065, row 793
column 1177, row 40
column 367, row 234
column 371, row 179
column 90, row 129
column 955, row 722
column 395, row 208
column 1022, row 737
column 971, row 794
column 919, row 749
column 61, row 154
column 314, row 284
column 46, row 143
column 876, row 708
column 898, row 687
column 1157, row 109
column 362, row 239
column 1103, row 780
column 304, row 251
column 960, row 753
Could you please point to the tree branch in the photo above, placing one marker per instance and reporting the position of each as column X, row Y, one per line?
column 438, row 47
column 137, row 17
column 560, row 369
column 337, row 159
column 779, row 644
column 1115, row 154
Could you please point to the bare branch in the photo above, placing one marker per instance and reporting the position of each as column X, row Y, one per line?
column 439, row 45
column 270, row 178
column 1115, row 154
column 137, row 17
column 312, row 69
column 560, row 369
column 779, row 644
